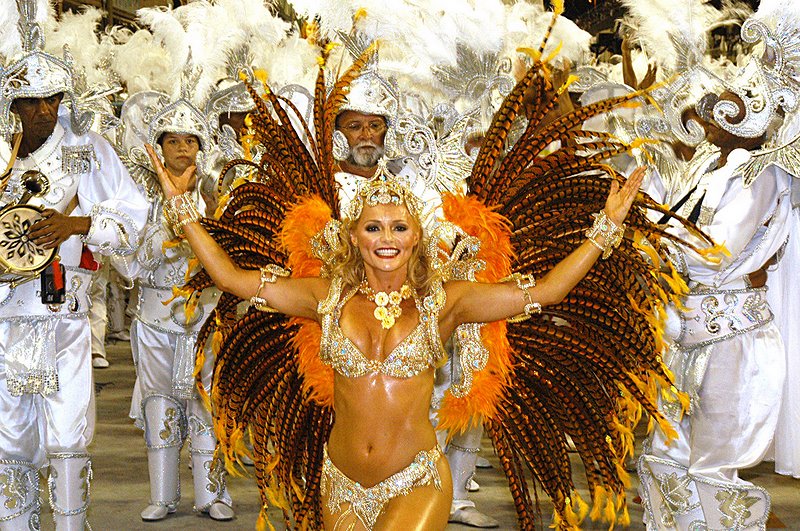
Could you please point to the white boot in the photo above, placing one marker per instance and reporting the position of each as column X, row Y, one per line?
column 669, row 495
column 70, row 476
column 163, row 465
column 210, row 491
column 739, row 506
column 462, row 454
column 19, row 496
column 164, row 436
column 464, row 512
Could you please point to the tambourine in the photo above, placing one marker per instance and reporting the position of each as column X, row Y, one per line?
column 20, row 258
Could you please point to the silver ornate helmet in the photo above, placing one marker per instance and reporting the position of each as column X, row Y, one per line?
column 36, row 74
column 180, row 117
column 230, row 96
column 768, row 82
column 674, row 99
column 371, row 93
column 230, row 93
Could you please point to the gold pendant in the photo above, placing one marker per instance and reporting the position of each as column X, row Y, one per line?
column 388, row 308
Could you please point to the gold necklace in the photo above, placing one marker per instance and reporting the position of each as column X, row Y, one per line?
column 387, row 309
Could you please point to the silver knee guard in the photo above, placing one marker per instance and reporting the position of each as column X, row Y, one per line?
column 164, row 422
column 208, row 473
column 70, row 478
column 675, row 499
column 19, row 496
column 669, row 495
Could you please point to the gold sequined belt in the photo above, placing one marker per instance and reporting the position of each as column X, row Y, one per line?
column 368, row 503
column 714, row 316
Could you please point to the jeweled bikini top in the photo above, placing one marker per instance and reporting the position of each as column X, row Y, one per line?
column 417, row 352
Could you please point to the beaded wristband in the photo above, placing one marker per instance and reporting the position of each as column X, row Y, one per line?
column 524, row 283
column 269, row 275
column 611, row 233
column 179, row 211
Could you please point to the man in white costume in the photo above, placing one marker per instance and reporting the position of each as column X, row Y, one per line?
column 46, row 388
column 725, row 351
column 165, row 400
column 362, row 126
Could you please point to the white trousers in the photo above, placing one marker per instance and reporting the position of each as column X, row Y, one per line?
column 732, row 425
column 693, row 482
column 33, row 425
column 154, row 357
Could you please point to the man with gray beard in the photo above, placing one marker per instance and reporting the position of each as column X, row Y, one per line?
column 365, row 134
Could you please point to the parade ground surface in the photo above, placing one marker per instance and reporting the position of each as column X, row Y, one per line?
column 120, row 488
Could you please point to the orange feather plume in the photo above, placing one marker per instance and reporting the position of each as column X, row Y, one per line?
column 302, row 222
column 494, row 232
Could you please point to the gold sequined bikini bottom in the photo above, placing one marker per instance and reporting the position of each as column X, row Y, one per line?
column 368, row 503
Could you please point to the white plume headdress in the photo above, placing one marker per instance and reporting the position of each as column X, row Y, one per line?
column 94, row 81
column 36, row 73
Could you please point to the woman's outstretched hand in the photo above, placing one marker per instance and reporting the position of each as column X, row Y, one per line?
column 170, row 185
column 620, row 199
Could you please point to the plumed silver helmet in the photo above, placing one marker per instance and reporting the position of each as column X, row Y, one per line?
column 230, row 96
column 180, row 117
column 768, row 82
column 36, row 74
column 230, row 93
column 371, row 93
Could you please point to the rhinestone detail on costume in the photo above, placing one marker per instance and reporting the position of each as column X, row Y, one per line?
column 413, row 355
column 368, row 503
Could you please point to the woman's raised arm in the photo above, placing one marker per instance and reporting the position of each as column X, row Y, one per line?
column 296, row 297
column 470, row 302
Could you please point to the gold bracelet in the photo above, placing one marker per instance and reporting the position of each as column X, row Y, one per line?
column 180, row 210
column 611, row 233
column 524, row 283
column 269, row 275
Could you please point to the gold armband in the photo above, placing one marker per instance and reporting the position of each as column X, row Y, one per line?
column 269, row 275
column 179, row 211
column 611, row 233
column 524, row 283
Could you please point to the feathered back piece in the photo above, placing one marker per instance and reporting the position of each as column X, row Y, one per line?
column 587, row 365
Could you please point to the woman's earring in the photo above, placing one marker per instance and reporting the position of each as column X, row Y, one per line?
column 341, row 147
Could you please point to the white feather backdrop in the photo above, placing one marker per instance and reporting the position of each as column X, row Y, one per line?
column 10, row 37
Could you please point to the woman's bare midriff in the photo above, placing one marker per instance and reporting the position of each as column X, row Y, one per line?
column 381, row 424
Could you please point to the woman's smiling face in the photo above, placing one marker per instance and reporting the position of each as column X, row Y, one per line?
column 386, row 236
